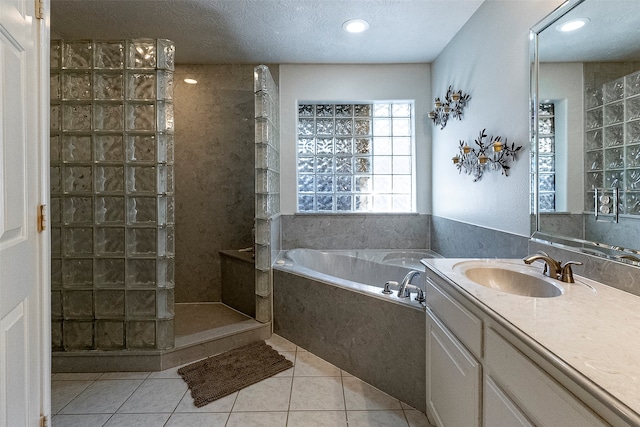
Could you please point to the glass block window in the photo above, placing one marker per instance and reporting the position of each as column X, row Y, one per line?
column 546, row 158
column 356, row 157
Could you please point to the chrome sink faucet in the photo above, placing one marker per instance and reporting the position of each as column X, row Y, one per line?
column 552, row 268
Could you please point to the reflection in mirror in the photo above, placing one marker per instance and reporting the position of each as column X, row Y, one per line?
column 586, row 133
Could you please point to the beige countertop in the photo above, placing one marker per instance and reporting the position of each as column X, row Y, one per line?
column 592, row 327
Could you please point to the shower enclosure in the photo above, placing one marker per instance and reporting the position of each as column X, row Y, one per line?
column 112, row 202
column 113, row 211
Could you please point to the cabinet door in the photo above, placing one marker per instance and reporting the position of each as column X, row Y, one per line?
column 499, row 410
column 453, row 378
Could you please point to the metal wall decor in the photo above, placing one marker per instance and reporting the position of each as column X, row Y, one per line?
column 452, row 106
column 494, row 154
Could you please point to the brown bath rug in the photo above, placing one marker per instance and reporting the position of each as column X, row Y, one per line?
column 218, row 376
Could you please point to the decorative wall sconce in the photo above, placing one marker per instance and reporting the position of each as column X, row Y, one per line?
column 452, row 106
column 495, row 155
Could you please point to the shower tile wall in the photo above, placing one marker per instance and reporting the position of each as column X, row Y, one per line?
column 214, row 173
column 112, row 225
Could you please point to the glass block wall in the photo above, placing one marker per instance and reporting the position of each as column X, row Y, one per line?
column 267, row 212
column 612, row 144
column 112, row 203
column 546, row 158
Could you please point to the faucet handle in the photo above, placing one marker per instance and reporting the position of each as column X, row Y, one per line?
column 387, row 290
column 567, row 273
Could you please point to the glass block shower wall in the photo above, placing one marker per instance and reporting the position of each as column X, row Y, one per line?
column 267, row 210
column 112, row 203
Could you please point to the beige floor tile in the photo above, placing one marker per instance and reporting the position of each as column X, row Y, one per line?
column 317, row 419
column 310, row 365
column 124, row 376
column 377, row 419
column 317, row 393
column 257, row 419
column 224, row 404
column 345, row 373
column 314, row 392
column 280, row 344
column 137, row 420
column 95, row 420
column 359, row 395
column 270, row 395
column 155, row 395
column 63, row 392
column 102, row 397
column 417, row 418
column 198, row 420
column 171, row 373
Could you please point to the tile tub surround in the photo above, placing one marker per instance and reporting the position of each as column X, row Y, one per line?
column 355, row 231
column 379, row 341
column 457, row 239
column 589, row 337
column 291, row 398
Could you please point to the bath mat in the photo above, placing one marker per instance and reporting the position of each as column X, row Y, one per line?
column 218, row 376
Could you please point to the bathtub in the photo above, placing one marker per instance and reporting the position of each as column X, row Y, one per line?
column 364, row 271
column 331, row 303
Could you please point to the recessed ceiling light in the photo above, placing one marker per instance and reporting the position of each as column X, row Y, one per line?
column 572, row 25
column 355, row 26
column 190, row 81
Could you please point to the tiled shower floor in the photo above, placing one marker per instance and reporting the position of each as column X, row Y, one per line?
column 313, row 393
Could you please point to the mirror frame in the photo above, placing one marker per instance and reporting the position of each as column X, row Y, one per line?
column 599, row 249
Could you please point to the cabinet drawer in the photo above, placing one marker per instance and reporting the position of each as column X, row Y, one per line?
column 541, row 398
column 465, row 325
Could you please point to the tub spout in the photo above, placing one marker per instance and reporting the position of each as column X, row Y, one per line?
column 406, row 287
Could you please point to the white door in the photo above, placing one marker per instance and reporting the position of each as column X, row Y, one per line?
column 23, row 280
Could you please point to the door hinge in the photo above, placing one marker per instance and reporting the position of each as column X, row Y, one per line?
column 39, row 9
column 44, row 421
column 41, row 218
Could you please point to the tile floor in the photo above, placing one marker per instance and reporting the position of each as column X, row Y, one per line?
column 313, row 393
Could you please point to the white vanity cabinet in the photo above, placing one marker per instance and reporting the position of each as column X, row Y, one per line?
column 454, row 389
column 477, row 376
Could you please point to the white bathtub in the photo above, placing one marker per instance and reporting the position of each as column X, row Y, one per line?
column 363, row 271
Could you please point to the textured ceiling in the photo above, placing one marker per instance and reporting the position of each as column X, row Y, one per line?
column 272, row 31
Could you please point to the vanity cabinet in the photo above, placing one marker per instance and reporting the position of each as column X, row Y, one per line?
column 455, row 374
column 478, row 376
column 524, row 391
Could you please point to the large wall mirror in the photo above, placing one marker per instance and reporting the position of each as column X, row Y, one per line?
column 586, row 128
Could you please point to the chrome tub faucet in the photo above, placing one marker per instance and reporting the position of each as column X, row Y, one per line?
column 406, row 287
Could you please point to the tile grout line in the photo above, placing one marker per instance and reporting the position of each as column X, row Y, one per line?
column 293, row 374
column 344, row 398
column 125, row 401
column 75, row 397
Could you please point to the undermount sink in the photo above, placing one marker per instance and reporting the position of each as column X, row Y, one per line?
column 509, row 278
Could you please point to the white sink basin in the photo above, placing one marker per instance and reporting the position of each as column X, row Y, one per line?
column 509, row 278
